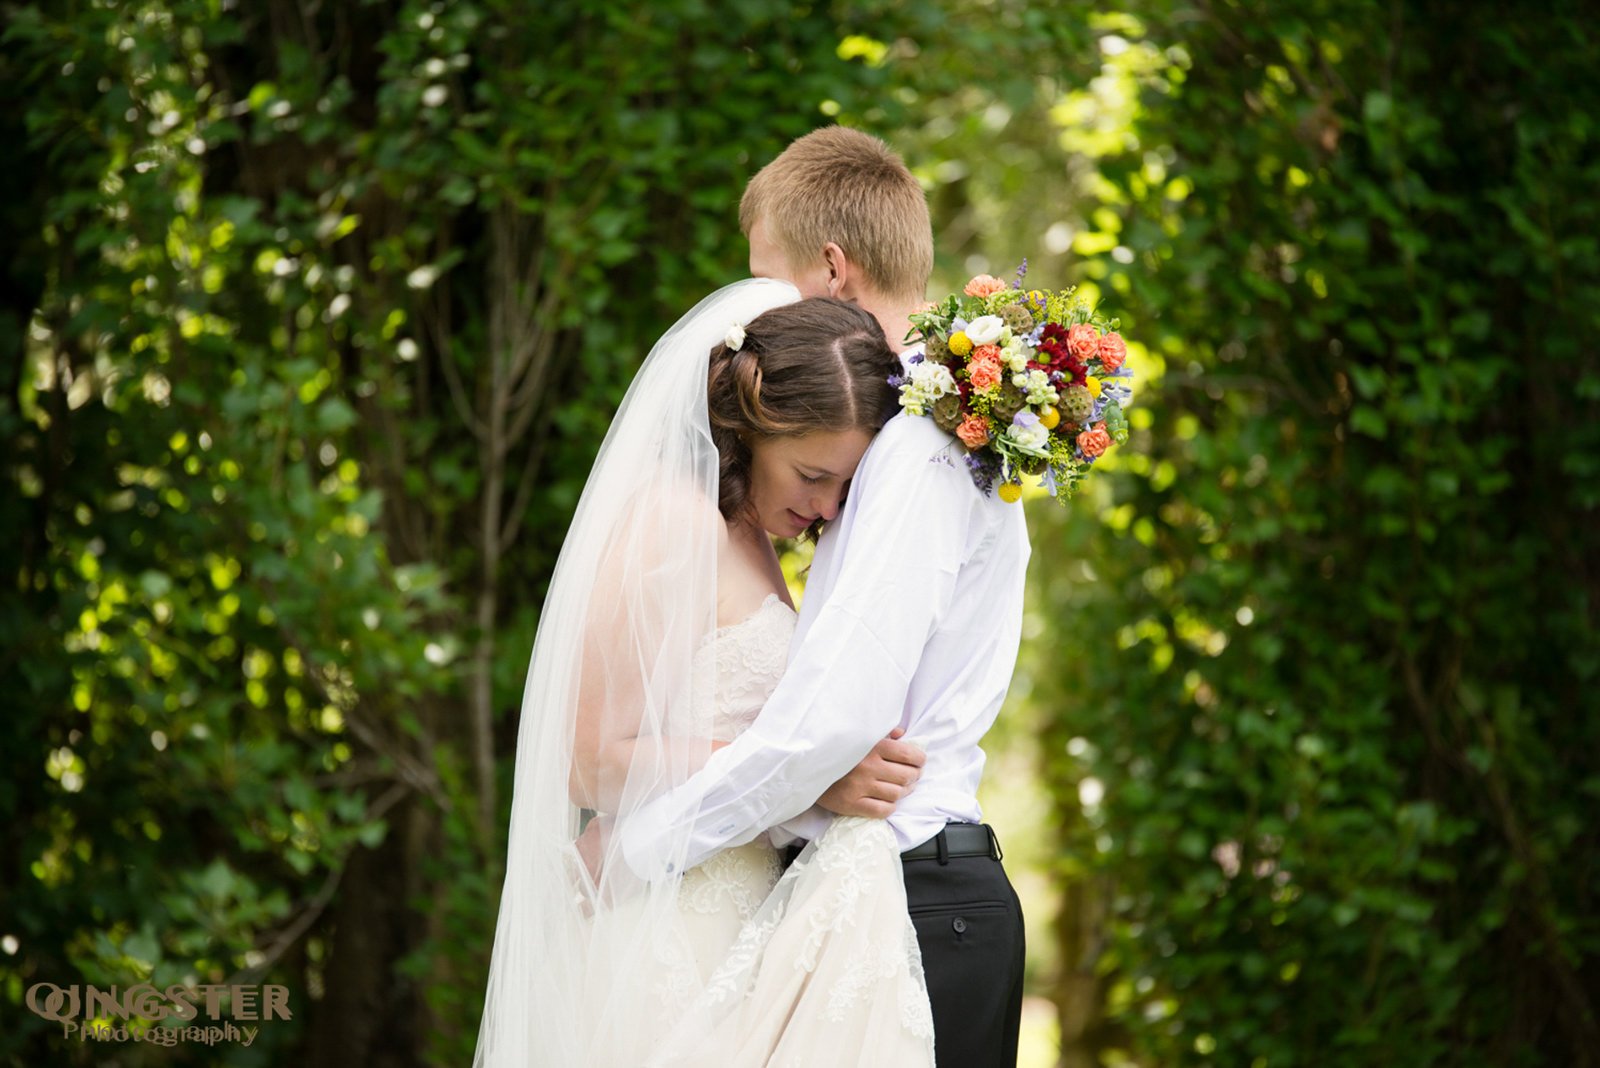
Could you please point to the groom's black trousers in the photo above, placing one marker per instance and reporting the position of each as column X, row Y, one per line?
column 969, row 925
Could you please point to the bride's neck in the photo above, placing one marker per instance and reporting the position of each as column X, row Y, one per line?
column 749, row 532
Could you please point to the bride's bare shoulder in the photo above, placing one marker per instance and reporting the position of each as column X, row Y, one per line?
column 670, row 508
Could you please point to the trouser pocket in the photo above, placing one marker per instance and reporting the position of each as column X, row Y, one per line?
column 972, row 958
column 975, row 924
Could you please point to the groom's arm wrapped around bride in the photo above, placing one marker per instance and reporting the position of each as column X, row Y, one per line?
column 912, row 619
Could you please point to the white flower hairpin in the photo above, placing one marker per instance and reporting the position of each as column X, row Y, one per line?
column 735, row 337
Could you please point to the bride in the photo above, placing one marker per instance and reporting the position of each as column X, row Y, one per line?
column 666, row 627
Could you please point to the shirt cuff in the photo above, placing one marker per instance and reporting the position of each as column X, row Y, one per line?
column 642, row 841
column 806, row 827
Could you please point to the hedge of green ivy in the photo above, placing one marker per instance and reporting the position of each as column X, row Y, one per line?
column 1331, row 657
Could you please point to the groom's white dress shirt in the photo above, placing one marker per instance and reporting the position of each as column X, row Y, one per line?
column 911, row 618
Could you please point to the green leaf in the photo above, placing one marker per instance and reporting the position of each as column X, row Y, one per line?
column 335, row 415
column 1369, row 421
column 217, row 880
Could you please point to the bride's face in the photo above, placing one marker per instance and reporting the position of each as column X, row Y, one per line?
column 796, row 480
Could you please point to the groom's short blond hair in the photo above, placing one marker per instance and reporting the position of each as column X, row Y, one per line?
column 841, row 185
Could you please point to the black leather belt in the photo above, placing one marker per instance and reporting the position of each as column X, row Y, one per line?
column 958, row 840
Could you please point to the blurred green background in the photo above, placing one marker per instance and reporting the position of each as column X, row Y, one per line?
column 315, row 313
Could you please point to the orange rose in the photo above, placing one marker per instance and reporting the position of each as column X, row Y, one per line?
column 984, row 285
column 974, row 432
column 1083, row 341
column 987, row 352
column 1094, row 442
column 1112, row 351
column 984, row 373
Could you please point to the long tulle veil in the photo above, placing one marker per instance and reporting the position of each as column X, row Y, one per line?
column 634, row 595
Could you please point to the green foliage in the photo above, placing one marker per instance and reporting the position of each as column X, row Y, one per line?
column 1320, row 740
column 327, row 308
column 317, row 313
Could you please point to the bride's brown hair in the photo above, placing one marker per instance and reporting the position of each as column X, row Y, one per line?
column 818, row 364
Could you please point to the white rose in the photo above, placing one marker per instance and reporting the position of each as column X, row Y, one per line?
column 735, row 338
column 985, row 329
column 1032, row 439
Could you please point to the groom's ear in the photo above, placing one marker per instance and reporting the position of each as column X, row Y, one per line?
column 839, row 270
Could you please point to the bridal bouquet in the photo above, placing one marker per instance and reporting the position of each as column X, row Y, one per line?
column 1033, row 382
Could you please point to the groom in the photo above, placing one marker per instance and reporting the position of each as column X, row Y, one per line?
column 911, row 620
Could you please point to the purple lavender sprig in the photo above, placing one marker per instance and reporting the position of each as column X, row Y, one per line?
column 984, row 470
column 1022, row 272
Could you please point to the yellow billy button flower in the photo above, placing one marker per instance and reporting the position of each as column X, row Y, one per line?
column 1049, row 418
column 1010, row 492
column 960, row 343
column 1094, row 387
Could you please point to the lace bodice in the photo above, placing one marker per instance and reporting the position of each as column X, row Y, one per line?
column 742, row 664
column 748, row 659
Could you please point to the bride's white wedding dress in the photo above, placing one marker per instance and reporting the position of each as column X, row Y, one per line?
column 816, row 965
column 739, row 962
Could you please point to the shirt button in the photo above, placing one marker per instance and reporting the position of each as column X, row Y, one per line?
column 959, row 924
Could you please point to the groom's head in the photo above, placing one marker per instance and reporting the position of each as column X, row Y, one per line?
column 839, row 215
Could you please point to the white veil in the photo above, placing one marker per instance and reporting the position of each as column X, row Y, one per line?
column 633, row 597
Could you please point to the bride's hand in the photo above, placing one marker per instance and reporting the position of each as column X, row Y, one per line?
column 873, row 787
column 592, row 845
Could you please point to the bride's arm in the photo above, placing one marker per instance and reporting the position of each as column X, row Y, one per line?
column 635, row 637
column 606, row 740
column 600, row 765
